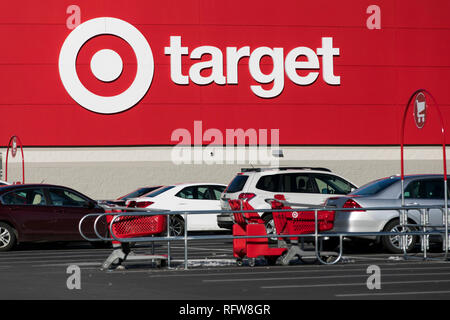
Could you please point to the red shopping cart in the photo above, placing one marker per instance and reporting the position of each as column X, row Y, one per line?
column 128, row 227
column 298, row 223
column 251, row 224
column 286, row 223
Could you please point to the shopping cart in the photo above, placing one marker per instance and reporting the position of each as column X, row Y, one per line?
column 251, row 224
column 286, row 223
column 127, row 227
column 299, row 223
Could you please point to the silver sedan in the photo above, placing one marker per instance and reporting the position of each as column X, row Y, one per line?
column 419, row 190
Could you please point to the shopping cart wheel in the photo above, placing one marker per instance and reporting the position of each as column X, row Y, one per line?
column 285, row 262
column 239, row 262
column 252, row 262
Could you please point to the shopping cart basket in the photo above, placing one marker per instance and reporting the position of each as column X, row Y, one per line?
column 298, row 223
column 126, row 227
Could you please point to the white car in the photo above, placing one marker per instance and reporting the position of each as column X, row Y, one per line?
column 309, row 186
column 186, row 196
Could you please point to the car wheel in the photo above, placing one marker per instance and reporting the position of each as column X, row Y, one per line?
column 176, row 226
column 393, row 243
column 7, row 237
column 270, row 226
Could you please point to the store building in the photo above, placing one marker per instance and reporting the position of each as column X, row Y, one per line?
column 103, row 93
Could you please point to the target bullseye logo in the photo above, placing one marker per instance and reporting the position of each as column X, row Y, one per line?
column 106, row 65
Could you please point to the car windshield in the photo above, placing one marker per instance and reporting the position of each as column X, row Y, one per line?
column 375, row 186
column 159, row 191
column 139, row 192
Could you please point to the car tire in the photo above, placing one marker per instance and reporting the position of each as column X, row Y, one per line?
column 177, row 226
column 8, row 237
column 392, row 243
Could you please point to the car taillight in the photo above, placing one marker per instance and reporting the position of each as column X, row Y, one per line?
column 350, row 203
column 131, row 204
column 246, row 196
column 143, row 204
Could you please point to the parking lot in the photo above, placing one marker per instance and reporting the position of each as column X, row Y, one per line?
column 39, row 271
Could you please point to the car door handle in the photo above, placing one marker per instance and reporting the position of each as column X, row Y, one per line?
column 59, row 210
column 412, row 204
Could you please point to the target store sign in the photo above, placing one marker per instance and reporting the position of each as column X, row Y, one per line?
column 107, row 65
column 131, row 72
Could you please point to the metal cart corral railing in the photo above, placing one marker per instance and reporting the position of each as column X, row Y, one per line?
column 424, row 229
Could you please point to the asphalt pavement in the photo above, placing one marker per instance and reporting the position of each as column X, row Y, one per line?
column 49, row 271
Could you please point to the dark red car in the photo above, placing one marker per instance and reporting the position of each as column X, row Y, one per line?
column 42, row 212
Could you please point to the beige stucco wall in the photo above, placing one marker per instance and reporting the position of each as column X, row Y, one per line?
column 104, row 173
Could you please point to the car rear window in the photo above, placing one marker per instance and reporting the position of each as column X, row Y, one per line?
column 139, row 192
column 159, row 191
column 374, row 187
column 237, row 184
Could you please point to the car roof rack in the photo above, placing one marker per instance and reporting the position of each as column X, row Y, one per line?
column 284, row 168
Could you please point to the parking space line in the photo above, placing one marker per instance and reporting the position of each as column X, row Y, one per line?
column 80, row 264
column 278, row 271
column 390, row 293
column 364, row 258
column 38, row 260
column 351, row 284
column 50, row 252
column 325, row 277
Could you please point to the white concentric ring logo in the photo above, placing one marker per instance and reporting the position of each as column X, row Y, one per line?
column 67, row 65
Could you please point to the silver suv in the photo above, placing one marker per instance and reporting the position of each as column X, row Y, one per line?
column 303, row 185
